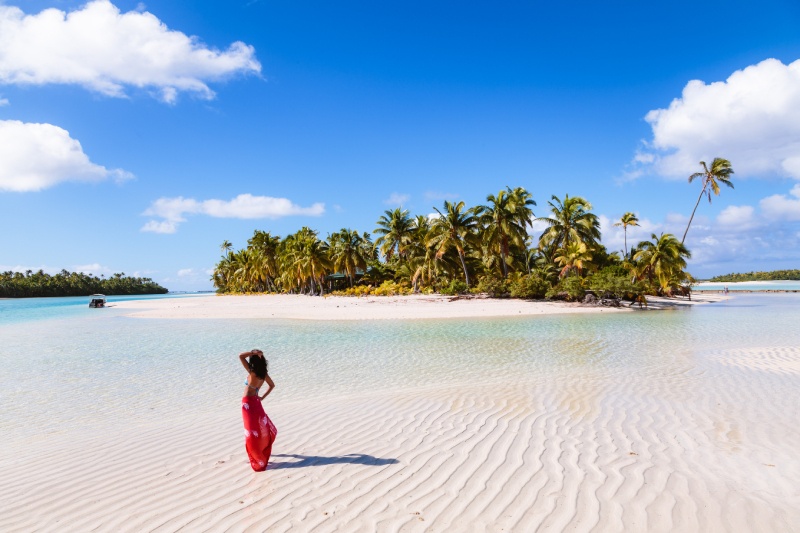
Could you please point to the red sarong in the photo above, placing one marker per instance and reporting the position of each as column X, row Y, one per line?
column 259, row 433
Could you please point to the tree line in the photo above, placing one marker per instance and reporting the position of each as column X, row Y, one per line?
column 485, row 248
column 65, row 283
column 774, row 275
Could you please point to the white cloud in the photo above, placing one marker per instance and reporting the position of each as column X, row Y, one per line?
column 244, row 206
column 185, row 272
column 739, row 239
column 781, row 207
column 95, row 269
column 751, row 119
column 397, row 198
column 737, row 216
column 433, row 196
column 105, row 50
column 37, row 156
column 3, row 101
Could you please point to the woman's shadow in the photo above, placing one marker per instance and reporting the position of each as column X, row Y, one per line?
column 314, row 460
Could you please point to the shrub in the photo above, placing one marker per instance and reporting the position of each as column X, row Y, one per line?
column 455, row 287
column 493, row 286
column 611, row 283
column 529, row 286
column 570, row 288
column 391, row 288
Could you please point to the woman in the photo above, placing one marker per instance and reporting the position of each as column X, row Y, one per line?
column 259, row 430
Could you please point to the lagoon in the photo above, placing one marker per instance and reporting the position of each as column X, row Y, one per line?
column 704, row 398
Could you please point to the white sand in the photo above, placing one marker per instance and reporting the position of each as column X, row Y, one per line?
column 368, row 308
column 689, row 451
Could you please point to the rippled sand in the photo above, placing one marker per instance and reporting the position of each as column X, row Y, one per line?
column 661, row 422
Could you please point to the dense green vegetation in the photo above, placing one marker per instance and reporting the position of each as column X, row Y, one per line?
column 775, row 275
column 29, row 284
column 484, row 248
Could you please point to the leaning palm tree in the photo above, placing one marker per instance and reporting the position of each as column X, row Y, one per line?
column 455, row 228
column 571, row 221
column 720, row 172
column 628, row 219
column 395, row 228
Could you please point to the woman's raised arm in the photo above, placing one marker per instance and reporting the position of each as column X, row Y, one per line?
column 243, row 358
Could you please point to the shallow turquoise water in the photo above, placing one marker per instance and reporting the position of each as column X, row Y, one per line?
column 91, row 370
column 18, row 310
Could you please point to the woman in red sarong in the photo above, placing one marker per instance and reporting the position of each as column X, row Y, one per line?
column 259, row 431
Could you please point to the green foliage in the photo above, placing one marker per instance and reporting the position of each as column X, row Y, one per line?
column 38, row 284
column 774, row 275
column 391, row 288
column 493, row 286
column 570, row 288
column 611, row 283
column 455, row 287
column 529, row 287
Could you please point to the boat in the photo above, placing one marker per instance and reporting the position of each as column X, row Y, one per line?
column 97, row 300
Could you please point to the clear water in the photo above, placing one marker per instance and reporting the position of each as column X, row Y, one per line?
column 94, row 371
column 18, row 310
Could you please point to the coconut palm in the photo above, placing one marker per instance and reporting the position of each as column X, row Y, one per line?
column 505, row 220
column 628, row 219
column 573, row 257
column 456, row 228
column 349, row 252
column 226, row 246
column 720, row 172
column 394, row 227
column 571, row 221
column 662, row 259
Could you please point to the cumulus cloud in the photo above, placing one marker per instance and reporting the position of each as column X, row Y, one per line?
column 95, row 269
column 3, row 101
column 172, row 211
column 104, row 50
column 37, row 156
column 751, row 119
column 739, row 238
column 781, row 207
column 397, row 198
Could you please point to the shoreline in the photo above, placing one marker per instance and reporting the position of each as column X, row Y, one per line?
column 300, row 307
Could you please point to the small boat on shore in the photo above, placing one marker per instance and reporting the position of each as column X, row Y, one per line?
column 97, row 300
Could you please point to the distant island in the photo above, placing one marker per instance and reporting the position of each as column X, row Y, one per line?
column 38, row 284
column 775, row 275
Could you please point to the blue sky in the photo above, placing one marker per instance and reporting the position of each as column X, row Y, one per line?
column 137, row 137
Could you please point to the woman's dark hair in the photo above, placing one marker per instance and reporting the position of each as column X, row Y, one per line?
column 258, row 365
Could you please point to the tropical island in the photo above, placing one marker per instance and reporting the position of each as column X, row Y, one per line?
column 774, row 275
column 65, row 283
column 459, row 249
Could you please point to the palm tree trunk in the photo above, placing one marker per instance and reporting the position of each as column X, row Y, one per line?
column 695, row 209
column 503, row 253
column 464, row 266
column 625, row 229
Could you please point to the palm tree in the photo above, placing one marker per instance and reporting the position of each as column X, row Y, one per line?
column 663, row 258
column 349, row 252
column 394, row 227
column 628, row 219
column 571, row 221
column 573, row 257
column 720, row 172
column 506, row 219
column 226, row 246
column 455, row 228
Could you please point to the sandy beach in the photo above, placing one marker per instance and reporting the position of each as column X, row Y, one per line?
column 372, row 307
column 677, row 442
